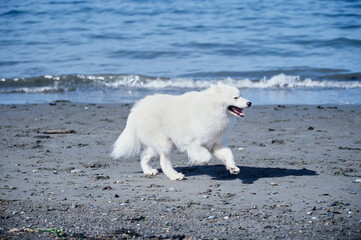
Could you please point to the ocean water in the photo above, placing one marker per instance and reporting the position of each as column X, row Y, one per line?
column 101, row 51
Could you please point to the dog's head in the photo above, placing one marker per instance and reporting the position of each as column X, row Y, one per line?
column 231, row 99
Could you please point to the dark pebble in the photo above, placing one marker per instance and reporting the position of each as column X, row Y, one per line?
column 107, row 188
column 278, row 141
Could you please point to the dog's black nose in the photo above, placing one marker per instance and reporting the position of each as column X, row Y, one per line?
column 249, row 104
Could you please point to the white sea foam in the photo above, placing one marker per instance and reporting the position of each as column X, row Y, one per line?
column 33, row 90
column 277, row 81
column 67, row 83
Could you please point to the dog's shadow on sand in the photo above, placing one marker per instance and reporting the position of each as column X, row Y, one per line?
column 248, row 175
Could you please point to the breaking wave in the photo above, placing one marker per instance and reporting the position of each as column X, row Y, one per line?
column 65, row 83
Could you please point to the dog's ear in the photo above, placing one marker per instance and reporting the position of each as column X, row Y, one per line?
column 213, row 88
column 219, row 84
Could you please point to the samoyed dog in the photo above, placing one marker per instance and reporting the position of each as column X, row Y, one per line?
column 195, row 122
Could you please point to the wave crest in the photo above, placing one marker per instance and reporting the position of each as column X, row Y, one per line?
column 64, row 83
column 277, row 81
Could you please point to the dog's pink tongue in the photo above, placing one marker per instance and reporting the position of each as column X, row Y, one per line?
column 239, row 113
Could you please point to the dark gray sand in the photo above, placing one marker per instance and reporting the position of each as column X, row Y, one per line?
column 299, row 179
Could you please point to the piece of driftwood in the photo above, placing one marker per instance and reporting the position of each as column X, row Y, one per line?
column 59, row 131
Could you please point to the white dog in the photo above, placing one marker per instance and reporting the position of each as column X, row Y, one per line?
column 196, row 122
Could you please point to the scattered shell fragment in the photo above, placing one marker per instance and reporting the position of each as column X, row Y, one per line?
column 171, row 189
column 283, row 205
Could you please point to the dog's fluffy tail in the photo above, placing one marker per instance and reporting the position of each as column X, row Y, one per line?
column 127, row 144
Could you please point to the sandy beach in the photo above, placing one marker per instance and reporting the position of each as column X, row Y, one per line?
column 300, row 178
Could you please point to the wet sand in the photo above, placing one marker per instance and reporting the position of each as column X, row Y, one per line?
column 300, row 178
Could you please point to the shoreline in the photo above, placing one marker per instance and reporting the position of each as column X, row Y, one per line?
column 299, row 167
column 60, row 101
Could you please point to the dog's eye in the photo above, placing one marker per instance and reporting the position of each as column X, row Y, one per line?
column 236, row 98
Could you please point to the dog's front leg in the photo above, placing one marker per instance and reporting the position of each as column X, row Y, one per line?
column 198, row 154
column 225, row 155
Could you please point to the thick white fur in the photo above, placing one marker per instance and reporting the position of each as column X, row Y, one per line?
column 195, row 122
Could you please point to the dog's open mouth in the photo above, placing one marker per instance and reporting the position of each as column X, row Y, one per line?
column 236, row 111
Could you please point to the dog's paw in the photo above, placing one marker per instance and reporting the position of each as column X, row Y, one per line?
column 178, row 176
column 234, row 170
column 152, row 172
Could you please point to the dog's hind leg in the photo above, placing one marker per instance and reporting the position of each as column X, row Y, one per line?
column 147, row 154
column 168, row 169
column 164, row 151
column 198, row 155
column 225, row 155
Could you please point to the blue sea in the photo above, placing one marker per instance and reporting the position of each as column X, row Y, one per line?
column 102, row 51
